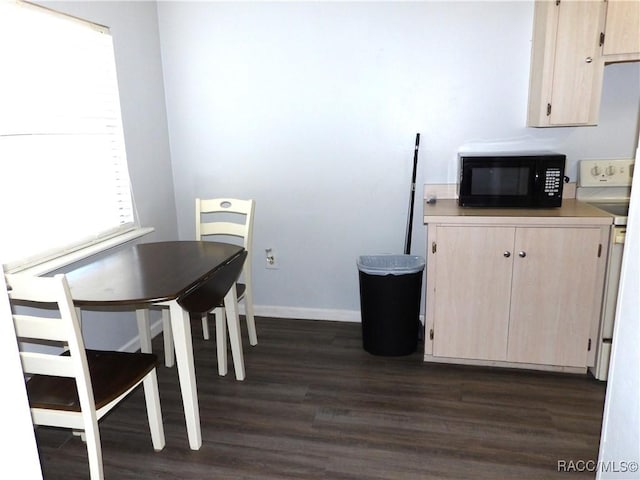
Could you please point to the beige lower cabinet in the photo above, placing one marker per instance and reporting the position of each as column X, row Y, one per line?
column 551, row 312
column 514, row 295
column 472, row 292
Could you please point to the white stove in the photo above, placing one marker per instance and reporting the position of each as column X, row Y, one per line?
column 606, row 184
column 618, row 210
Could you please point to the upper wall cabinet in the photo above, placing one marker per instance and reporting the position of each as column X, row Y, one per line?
column 622, row 31
column 566, row 67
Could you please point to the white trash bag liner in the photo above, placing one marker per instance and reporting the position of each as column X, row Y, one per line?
column 390, row 264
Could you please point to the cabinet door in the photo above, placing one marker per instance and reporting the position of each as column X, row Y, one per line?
column 472, row 281
column 576, row 69
column 554, row 280
column 622, row 28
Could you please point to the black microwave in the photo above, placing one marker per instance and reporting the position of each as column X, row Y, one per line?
column 531, row 180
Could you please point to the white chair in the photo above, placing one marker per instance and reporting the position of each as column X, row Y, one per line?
column 224, row 219
column 76, row 389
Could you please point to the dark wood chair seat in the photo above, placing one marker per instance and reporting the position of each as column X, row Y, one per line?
column 112, row 374
column 240, row 289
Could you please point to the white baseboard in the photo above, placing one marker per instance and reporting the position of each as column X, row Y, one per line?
column 309, row 313
column 305, row 313
column 267, row 311
column 274, row 311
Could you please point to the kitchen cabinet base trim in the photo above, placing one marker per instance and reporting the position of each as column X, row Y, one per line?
column 496, row 363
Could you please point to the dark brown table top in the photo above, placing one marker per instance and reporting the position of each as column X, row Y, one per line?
column 148, row 272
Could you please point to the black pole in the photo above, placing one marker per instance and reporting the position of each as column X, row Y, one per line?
column 407, row 241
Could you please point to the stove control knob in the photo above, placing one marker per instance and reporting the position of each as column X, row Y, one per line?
column 611, row 170
column 596, row 171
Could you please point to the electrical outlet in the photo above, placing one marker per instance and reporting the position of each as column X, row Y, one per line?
column 271, row 259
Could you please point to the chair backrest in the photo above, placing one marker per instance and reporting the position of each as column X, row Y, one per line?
column 229, row 217
column 43, row 312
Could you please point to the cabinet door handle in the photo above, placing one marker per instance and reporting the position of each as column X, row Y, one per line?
column 506, row 254
column 522, row 254
column 588, row 60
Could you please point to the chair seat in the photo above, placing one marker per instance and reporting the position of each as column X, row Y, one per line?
column 240, row 289
column 60, row 393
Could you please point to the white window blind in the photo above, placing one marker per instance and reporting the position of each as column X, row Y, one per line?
column 63, row 166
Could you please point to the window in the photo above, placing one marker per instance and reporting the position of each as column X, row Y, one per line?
column 63, row 166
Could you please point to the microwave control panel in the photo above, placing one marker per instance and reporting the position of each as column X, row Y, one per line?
column 606, row 173
column 552, row 181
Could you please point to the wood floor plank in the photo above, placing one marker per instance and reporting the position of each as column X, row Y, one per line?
column 315, row 405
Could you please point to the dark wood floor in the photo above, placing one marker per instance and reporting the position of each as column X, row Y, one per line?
column 316, row 406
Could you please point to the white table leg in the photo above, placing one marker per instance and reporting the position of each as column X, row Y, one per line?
column 144, row 329
column 233, row 324
column 181, row 328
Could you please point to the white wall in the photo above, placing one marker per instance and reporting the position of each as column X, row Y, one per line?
column 311, row 108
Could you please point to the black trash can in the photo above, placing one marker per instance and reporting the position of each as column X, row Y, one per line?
column 390, row 292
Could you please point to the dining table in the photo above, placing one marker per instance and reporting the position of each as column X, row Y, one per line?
column 159, row 273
